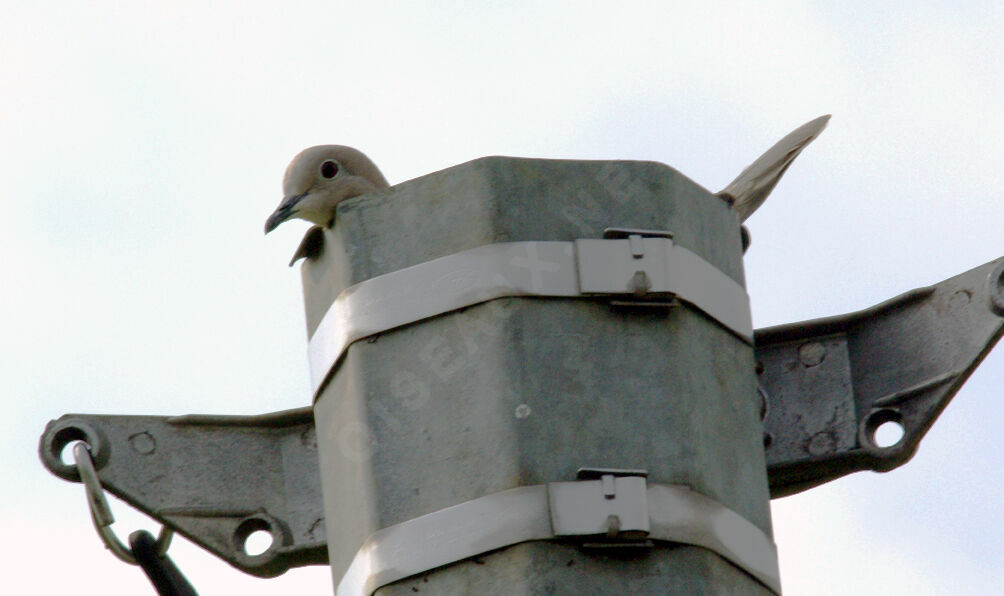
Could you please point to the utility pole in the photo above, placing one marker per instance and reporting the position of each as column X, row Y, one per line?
column 540, row 377
column 531, row 356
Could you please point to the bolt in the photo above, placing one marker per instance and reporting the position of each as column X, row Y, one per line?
column 143, row 443
column 959, row 301
column 640, row 285
column 812, row 353
column 822, row 443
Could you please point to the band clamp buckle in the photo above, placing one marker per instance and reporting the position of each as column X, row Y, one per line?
column 607, row 505
column 629, row 263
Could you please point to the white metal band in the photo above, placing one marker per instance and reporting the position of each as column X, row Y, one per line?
column 637, row 268
column 674, row 514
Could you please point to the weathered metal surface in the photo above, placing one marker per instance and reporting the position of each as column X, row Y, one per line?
column 832, row 382
column 214, row 479
column 524, row 390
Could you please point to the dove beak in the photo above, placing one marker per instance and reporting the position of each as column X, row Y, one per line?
column 284, row 211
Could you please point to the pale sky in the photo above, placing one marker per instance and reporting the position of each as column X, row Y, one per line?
column 142, row 146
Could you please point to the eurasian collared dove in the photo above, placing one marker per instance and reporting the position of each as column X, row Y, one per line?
column 319, row 178
column 750, row 189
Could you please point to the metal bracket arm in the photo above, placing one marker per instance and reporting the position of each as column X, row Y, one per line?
column 830, row 383
column 640, row 267
column 213, row 479
column 618, row 506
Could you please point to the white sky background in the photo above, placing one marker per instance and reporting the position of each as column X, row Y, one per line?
column 142, row 147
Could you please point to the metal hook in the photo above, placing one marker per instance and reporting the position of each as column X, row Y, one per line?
column 101, row 513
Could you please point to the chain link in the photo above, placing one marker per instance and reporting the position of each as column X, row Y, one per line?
column 101, row 513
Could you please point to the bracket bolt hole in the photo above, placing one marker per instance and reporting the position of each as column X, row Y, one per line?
column 257, row 542
column 255, row 536
column 884, row 429
column 62, row 444
column 56, row 447
column 888, row 434
column 66, row 454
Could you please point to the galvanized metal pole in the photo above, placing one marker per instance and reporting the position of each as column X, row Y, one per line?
column 523, row 391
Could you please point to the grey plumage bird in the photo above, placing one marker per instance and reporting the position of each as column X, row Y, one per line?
column 750, row 189
column 319, row 178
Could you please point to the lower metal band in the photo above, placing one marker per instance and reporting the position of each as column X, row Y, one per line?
column 672, row 514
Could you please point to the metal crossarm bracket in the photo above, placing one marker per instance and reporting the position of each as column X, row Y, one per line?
column 643, row 267
column 830, row 383
column 213, row 479
column 618, row 505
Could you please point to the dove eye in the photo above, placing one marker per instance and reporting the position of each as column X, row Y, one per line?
column 329, row 169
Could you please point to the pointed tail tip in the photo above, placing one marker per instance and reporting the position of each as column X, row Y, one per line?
column 820, row 122
column 750, row 189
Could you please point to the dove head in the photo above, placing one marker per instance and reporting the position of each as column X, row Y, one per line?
column 319, row 178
